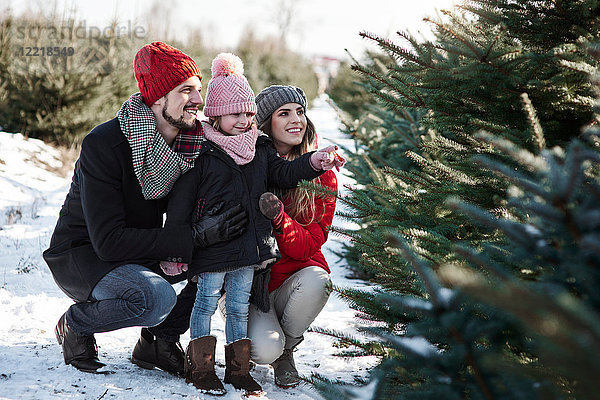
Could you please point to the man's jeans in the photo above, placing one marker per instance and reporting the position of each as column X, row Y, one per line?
column 129, row 295
column 237, row 286
column 178, row 320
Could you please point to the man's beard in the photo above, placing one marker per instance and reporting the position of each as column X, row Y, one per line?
column 177, row 123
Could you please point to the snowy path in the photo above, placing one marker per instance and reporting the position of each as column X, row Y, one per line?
column 31, row 364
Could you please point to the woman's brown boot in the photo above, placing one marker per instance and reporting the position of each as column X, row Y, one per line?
column 237, row 368
column 200, row 366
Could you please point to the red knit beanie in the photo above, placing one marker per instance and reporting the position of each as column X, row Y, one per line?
column 159, row 68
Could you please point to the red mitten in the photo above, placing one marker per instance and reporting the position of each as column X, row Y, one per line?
column 272, row 208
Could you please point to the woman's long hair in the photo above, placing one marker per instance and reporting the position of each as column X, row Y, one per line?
column 302, row 201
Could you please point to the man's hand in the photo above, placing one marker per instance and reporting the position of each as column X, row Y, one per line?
column 219, row 226
column 173, row 268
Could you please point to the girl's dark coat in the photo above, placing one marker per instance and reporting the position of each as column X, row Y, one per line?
column 217, row 179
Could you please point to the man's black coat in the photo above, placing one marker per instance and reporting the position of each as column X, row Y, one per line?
column 105, row 222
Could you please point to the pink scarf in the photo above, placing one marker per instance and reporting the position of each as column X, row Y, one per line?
column 239, row 147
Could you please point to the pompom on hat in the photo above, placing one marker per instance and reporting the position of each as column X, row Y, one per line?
column 271, row 98
column 159, row 68
column 228, row 91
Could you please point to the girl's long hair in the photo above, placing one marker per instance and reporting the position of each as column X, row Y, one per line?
column 302, row 205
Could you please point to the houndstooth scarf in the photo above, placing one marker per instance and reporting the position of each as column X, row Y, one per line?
column 240, row 147
column 156, row 165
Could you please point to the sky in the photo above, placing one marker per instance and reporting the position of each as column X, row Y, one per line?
column 314, row 27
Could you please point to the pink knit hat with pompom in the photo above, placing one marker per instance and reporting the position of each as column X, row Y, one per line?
column 228, row 91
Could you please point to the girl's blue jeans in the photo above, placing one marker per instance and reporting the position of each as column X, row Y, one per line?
column 237, row 285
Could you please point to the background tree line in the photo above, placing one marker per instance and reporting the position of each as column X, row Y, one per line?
column 61, row 97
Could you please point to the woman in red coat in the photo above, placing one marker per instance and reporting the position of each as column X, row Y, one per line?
column 299, row 285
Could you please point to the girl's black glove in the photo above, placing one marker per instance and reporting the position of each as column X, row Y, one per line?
column 217, row 226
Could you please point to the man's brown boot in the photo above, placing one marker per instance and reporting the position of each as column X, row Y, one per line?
column 200, row 366
column 237, row 368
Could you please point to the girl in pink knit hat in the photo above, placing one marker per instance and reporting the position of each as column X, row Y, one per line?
column 235, row 166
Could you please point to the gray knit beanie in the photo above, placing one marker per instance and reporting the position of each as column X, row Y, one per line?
column 271, row 98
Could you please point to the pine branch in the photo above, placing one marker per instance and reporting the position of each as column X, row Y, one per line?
column 443, row 169
column 534, row 122
column 369, row 348
column 510, row 174
column 516, row 153
column 486, row 55
column 387, row 45
column 471, row 361
column 514, row 230
column 442, row 27
column 427, row 277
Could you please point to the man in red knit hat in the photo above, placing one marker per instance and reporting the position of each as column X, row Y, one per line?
column 109, row 239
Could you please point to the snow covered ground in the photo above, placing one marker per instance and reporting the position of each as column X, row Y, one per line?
column 31, row 363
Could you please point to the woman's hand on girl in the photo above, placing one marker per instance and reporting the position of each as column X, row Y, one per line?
column 272, row 208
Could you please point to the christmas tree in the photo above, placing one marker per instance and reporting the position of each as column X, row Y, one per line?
column 475, row 75
column 516, row 319
column 485, row 251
